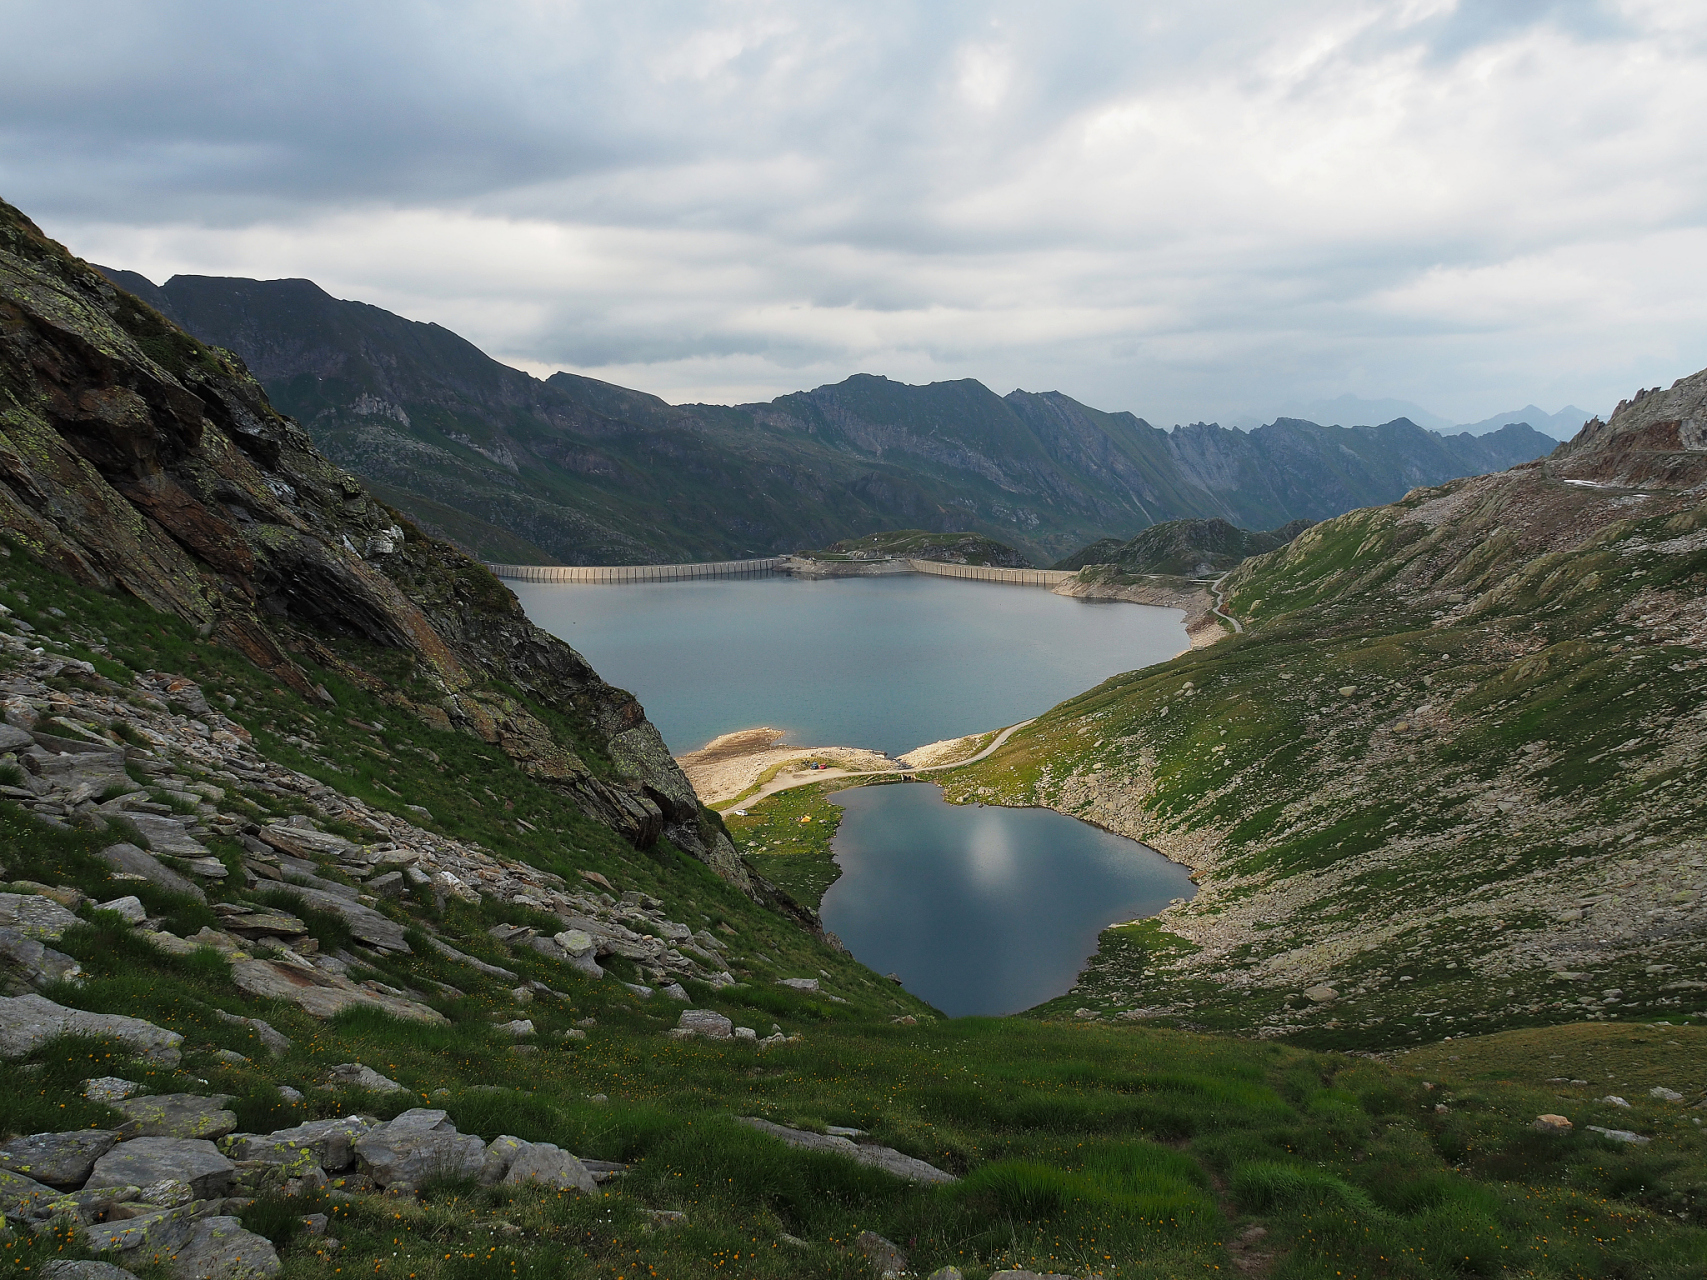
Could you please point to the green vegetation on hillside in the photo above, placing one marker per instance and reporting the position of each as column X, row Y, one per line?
column 1082, row 1147
column 1184, row 548
column 1442, row 782
column 917, row 544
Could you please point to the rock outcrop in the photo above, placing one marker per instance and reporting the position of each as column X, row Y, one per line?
column 141, row 460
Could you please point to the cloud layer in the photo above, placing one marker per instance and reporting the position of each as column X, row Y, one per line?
column 1188, row 211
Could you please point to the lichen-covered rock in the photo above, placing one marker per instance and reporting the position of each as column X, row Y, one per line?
column 160, row 1166
column 30, row 1020
column 327, row 1143
column 19, row 1195
column 83, row 1269
column 501, row 1153
column 57, row 1159
column 35, row 916
column 152, row 1237
column 220, row 1249
column 177, row 1115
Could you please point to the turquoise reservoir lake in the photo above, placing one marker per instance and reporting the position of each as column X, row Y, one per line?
column 886, row 663
column 978, row 909
column 981, row 910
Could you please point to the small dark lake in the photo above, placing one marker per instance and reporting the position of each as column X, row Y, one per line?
column 981, row 909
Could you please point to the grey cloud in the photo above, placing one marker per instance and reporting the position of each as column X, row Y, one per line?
column 1181, row 210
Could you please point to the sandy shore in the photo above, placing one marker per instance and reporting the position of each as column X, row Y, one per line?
column 729, row 765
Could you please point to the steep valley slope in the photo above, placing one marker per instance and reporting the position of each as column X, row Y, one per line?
column 1451, row 776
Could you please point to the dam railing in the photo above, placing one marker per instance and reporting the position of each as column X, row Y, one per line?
column 634, row 572
column 616, row 573
column 986, row 573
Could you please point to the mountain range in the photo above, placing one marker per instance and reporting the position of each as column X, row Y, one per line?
column 573, row 470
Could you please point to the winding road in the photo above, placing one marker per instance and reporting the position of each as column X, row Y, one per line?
column 1218, row 610
column 788, row 781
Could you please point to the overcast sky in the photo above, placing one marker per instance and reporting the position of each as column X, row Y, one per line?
column 1193, row 211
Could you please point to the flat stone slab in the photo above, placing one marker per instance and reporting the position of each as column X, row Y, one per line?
column 128, row 860
column 20, row 1194
column 276, row 1041
column 353, row 1075
column 35, row 916
column 83, row 1269
column 886, row 1158
column 26, row 962
column 166, row 835
column 57, row 1159
column 320, row 992
column 220, row 1249
column 178, row 1115
column 29, row 1021
column 365, row 923
column 149, row 1162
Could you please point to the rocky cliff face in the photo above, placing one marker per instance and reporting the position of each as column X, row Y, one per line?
column 143, row 461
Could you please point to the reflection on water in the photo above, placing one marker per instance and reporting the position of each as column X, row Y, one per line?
column 983, row 910
column 887, row 663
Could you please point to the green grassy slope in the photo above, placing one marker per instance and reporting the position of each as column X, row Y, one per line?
column 1450, row 778
column 1122, row 1151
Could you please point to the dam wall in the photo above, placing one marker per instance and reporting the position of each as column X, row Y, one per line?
column 984, row 573
column 634, row 572
column 620, row 573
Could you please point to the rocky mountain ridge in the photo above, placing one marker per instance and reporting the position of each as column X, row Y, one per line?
column 142, row 460
column 573, row 470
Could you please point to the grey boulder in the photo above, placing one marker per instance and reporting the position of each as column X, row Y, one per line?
column 35, row 916
column 58, row 1159
column 177, row 1115
column 885, row 1256
column 418, row 1145
column 150, row 1237
column 220, row 1249
column 501, row 1153
column 551, row 1166
column 353, row 1075
column 276, row 1041
column 26, row 963
column 705, row 1022
column 29, row 1021
column 328, row 1143
column 20, row 1195
column 365, row 923
column 169, row 1170
column 128, row 860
